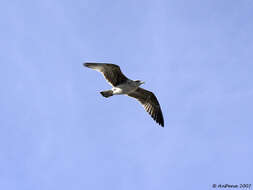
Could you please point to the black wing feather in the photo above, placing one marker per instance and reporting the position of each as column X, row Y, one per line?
column 111, row 72
column 150, row 104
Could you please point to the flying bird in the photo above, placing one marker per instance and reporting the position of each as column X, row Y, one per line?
column 123, row 85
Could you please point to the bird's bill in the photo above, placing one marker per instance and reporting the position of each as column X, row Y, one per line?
column 142, row 82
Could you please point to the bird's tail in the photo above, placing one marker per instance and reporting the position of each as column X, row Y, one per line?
column 107, row 93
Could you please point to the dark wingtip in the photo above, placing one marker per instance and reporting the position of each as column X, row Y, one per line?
column 159, row 119
column 161, row 124
column 85, row 64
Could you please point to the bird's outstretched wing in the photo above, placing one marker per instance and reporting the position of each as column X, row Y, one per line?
column 111, row 72
column 150, row 104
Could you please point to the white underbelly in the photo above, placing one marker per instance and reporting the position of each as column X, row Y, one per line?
column 123, row 89
column 117, row 90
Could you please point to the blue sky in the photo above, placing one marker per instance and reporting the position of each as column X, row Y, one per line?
column 58, row 132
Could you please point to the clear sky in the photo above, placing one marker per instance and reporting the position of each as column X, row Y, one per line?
column 58, row 132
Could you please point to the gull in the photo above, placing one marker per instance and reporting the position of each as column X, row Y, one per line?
column 121, row 85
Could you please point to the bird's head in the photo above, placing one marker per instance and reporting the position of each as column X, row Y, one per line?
column 139, row 82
